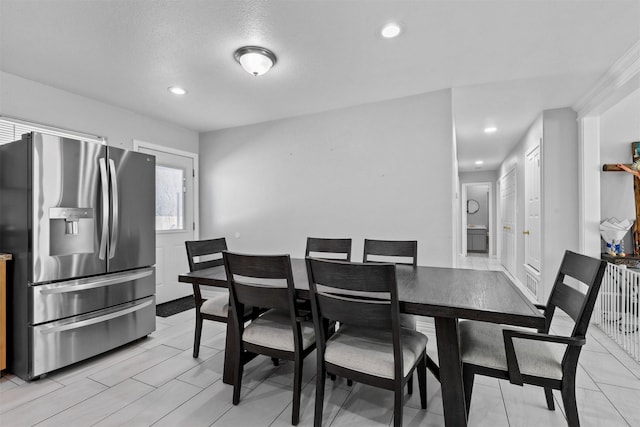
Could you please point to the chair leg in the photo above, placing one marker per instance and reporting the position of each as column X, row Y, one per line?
column 422, row 381
column 467, row 379
column 198, row 334
column 320, row 380
column 237, row 377
column 275, row 361
column 398, row 402
column 548, row 394
column 568, row 392
column 410, row 385
column 349, row 383
column 297, row 390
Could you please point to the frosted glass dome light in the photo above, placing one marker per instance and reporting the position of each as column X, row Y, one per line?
column 255, row 60
column 391, row 30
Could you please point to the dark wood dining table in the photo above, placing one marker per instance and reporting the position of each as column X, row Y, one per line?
column 447, row 295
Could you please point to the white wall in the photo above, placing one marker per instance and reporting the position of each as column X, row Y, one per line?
column 380, row 170
column 483, row 176
column 559, row 191
column 456, row 248
column 619, row 127
column 28, row 100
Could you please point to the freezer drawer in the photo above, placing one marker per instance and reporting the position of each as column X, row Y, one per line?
column 64, row 342
column 75, row 297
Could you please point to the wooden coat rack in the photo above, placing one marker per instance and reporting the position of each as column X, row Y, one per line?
column 633, row 169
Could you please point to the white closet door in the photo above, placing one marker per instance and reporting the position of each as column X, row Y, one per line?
column 508, row 221
column 532, row 209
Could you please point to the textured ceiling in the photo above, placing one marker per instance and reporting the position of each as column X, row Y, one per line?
column 506, row 60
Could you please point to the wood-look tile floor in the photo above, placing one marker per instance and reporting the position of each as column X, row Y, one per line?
column 155, row 381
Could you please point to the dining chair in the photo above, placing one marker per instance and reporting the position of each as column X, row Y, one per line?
column 399, row 252
column 404, row 252
column 328, row 248
column 207, row 254
column 537, row 357
column 281, row 332
column 370, row 346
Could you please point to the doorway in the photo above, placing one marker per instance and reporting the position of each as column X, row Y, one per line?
column 477, row 218
column 176, row 216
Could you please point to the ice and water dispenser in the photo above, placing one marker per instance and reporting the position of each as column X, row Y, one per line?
column 71, row 231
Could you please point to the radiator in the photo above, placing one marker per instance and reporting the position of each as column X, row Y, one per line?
column 532, row 283
column 617, row 309
column 532, row 280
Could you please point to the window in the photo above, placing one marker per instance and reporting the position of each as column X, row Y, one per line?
column 170, row 190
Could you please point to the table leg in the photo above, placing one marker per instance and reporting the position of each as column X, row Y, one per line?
column 455, row 412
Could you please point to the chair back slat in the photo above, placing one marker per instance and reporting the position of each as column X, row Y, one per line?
column 577, row 304
column 259, row 295
column 339, row 248
column 580, row 267
column 391, row 248
column 208, row 248
column 570, row 300
column 352, row 311
column 260, row 266
column 350, row 276
column 264, row 281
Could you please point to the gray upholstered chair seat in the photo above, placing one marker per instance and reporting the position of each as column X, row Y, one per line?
column 482, row 344
column 219, row 306
column 273, row 329
column 407, row 321
column 216, row 306
column 371, row 351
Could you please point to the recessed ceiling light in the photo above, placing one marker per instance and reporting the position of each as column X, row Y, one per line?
column 177, row 90
column 479, row 162
column 490, row 129
column 390, row 30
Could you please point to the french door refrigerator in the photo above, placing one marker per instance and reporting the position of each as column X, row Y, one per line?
column 78, row 217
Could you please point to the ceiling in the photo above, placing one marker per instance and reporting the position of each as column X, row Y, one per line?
column 505, row 60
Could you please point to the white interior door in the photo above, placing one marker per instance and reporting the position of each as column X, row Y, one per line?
column 532, row 209
column 463, row 216
column 508, row 221
column 175, row 222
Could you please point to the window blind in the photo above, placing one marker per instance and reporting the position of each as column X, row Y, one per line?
column 12, row 129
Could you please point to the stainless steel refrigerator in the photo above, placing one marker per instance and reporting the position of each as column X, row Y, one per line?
column 78, row 217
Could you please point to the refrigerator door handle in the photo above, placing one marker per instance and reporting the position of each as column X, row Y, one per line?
column 114, row 201
column 105, row 208
column 83, row 285
column 100, row 319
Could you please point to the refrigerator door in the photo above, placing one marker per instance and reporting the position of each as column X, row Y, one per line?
column 132, row 240
column 68, row 208
column 66, row 341
column 78, row 296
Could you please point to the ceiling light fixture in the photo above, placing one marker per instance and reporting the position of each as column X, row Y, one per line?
column 391, row 30
column 479, row 162
column 490, row 129
column 255, row 60
column 177, row 90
